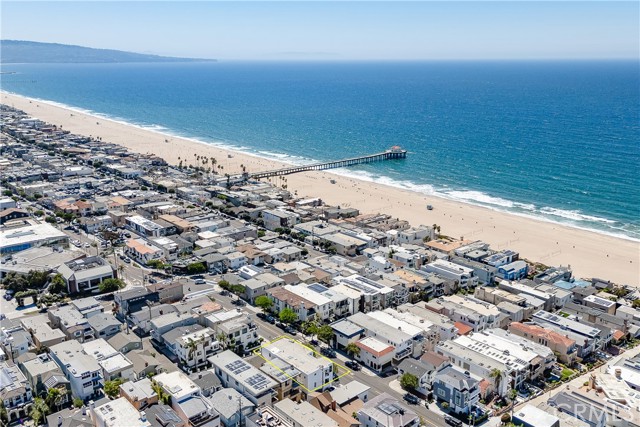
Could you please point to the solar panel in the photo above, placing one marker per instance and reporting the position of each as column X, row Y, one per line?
column 237, row 366
column 388, row 408
column 316, row 287
column 258, row 381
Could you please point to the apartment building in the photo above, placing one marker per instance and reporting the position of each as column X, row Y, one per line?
column 561, row 345
column 588, row 338
column 478, row 315
column 72, row 323
column 315, row 372
column 464, row 276
column 16, row 393
column 83, row 371
column 384, row 410
column 192, row 345
column 236, row 373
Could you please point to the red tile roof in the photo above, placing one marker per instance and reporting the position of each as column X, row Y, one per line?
column 462, row 328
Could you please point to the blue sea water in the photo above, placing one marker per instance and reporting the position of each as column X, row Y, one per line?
column 558, row 140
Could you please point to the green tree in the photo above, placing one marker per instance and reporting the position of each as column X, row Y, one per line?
column 513, row 393
column 264, row 302
column 287, row 316
column 77, row 403
column 57, row 285
column 163, row 396
column 222, row 339
column 409, row 381
column 50, row 219
column 111, row 285
column 325, row 333
column 4, row 416
column 112, row 388
column 261, row 233
column 39, row 411
column 196, row 268
column 505, row 419
column 310, row 327
column 192, row 345
column 496, row 374
column 53, row 398
column 224, row 284
column 352, row 349
column 636, row 303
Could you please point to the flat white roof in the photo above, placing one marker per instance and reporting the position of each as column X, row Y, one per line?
column 29, row 234
column 301, row 358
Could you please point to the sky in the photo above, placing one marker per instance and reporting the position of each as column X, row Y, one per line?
column 338, row 31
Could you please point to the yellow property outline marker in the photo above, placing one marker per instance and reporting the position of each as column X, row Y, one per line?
column 258, row 352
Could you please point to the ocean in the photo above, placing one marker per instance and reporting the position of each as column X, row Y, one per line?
column 557, row 141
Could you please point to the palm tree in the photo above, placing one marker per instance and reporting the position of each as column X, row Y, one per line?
column 512, row 395
column 53, row 399
column 352, row 349
column 192, row 345
column 163, row 396
column 496, row 374
column 39, row 411
column 222, row 339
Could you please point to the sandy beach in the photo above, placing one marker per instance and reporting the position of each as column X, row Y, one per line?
column 589, row 254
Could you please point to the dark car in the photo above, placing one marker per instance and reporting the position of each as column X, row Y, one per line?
column 291, row 330
column 281, row 325
column 270, row 319
column 353, row 365
column 410, row 398
column 452, row 421
column 314, row 342
column 329, row 352
column 261, row 316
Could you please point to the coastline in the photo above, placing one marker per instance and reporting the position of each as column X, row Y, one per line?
column 589, row 253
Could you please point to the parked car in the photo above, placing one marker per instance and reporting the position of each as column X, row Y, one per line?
column 329, row 352
column 127, row 260
column 452, row 421
column 314, row 342
column 8, row 297
column 261, row 316
column 290, row 330
column 200, row 282
column 270, row 319
column 410, row 398
column 353, row 365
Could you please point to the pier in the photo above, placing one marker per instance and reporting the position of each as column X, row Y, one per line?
column 392, row 153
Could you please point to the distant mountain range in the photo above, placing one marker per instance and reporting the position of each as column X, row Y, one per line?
column 20, row 51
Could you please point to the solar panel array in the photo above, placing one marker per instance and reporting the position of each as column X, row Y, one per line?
column 389, row 408
column 237, row 366
column 258, row 381
column 316, row 287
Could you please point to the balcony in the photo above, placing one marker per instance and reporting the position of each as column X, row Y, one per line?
column 401, row 355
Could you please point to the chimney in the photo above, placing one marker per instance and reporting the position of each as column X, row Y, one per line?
column 333, row 405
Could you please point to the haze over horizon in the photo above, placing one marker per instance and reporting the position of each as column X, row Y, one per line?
column 336, row 31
